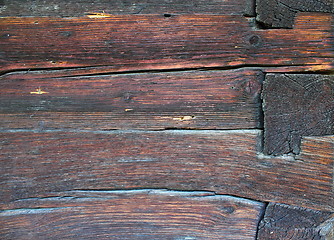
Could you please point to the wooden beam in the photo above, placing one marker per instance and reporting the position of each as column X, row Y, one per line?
column 296, row 105
column 282, row 221
column 282, row 13
column 191, row 99
column 71, row 8
column 147, row 42
column 146, row 214
column 35, row 164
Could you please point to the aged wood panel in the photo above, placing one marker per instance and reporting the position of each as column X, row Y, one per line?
column 227, row 162
column 296, row 105
column 146, row 214
column 281, row 13
column 147, row 42
column 191, row 99
column 78, row 8
column 282, row 221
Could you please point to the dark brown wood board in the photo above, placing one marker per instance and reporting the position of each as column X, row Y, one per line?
column 281, row 13
column 71, row 8
column 190, row 99
column 144, row 119
column 282, row 221
column 147, row 214
column 296, row 105
column 227, row 162
column 147, row 42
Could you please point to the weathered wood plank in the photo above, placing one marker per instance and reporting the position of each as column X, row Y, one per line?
column 146, row 214
column 281, row 13
column 227, row 162
column 296, row 105
column 192, row 99
column 146, row 42
column 71, row 8
column 282, row 221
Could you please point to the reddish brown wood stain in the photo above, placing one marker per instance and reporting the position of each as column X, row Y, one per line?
column 37, row 164
column 133, row 215
column 178, row 68
column 191, row 99
column 142, row 42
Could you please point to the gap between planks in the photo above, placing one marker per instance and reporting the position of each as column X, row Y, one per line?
column 91, row 71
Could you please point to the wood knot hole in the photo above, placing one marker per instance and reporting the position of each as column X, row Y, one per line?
column 254, row 40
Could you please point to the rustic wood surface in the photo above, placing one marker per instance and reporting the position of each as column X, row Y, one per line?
column 191, row 99
column 71, row 8
column 160, row 42
column 296, row 105
column 70, row 68
column 148, row 214
column 294, row 223
column 227, row 162
column 281, row 13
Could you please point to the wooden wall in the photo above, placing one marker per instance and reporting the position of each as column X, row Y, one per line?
column 165, row 119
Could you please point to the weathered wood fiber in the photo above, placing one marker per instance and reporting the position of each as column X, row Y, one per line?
column 142, row 214
column 296, row 105
column 78, row 8
column 281, row 13
column 147, row 42
column 282, row 221
column 227, row 162
column 192, row 99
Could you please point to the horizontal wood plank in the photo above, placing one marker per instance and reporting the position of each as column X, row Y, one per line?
column 145, row 42
column 282, row 221
column 146, row 214
column 36, row 164
column 78, row 8
column 296, row 105
column 191, row 99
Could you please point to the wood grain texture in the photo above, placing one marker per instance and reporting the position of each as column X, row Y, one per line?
column 282, row 13
column 148, row 42
column 282, row 221
column 296, row 105
column 146, row 214
column 227, row 162
column 70, row 8
column 191, row 99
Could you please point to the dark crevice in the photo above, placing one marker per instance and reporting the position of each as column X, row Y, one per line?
column 209, row 192
column 263, row 26
column 70, row 194
column 168, row 129
column 261, row 220
column 261, row 114
column 225, row 68
column 129, row 190
column 40, row 210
